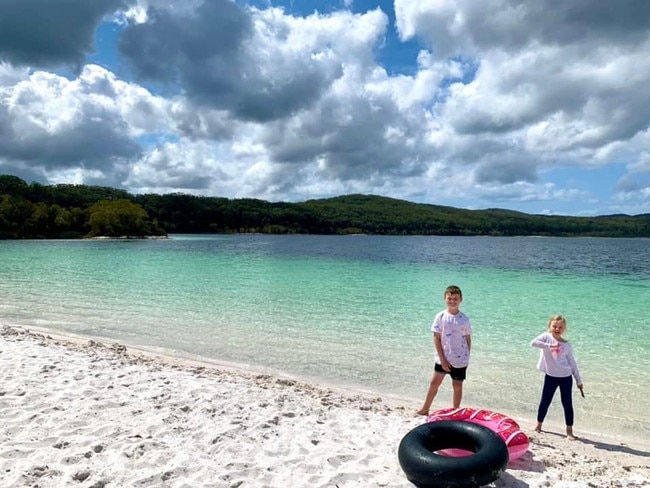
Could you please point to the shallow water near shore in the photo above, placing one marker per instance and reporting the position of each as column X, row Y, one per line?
column 356, row 310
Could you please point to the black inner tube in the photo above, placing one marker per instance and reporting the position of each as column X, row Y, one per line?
column 426, row 469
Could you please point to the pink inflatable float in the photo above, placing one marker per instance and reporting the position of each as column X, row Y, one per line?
column 516, row 441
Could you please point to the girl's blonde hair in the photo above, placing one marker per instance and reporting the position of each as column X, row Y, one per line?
column 557, row 318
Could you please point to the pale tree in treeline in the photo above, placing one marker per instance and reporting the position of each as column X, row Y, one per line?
column 118, row 218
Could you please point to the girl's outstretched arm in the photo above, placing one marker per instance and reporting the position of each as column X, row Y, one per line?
column 541, row 341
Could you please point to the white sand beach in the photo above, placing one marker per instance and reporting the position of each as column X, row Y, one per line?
column 82, row 413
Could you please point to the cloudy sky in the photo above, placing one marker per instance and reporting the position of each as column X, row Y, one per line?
column 541, row 106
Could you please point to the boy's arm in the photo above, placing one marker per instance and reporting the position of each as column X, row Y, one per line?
column 437, row 343
column 468, row 338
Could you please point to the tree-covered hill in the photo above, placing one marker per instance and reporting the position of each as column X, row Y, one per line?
column 39, row 211
column 381, row 215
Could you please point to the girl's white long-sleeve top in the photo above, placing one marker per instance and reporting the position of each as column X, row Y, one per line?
column 556, row 358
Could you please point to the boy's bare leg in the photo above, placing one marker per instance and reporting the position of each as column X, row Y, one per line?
column 436, row 380
column 458, row 393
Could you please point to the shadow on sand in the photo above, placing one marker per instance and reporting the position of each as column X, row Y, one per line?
column 510, row 481
column 615, row 447
column 623, row 448
column 527, row 463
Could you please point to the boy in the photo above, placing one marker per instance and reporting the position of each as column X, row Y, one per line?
column 452, row 339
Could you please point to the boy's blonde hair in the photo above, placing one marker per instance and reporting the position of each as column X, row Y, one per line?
column 453, row 290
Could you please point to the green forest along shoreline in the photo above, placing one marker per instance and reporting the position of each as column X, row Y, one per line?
column 29, row 211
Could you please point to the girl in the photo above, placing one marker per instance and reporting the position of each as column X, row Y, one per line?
column 557, row 362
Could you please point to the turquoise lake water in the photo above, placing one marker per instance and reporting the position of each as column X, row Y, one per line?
column 356, row 311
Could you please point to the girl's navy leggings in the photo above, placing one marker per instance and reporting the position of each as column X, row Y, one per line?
column 551, row 384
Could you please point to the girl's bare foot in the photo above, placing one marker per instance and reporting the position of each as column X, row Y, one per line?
column 422, row 412
column 538, row 427
column 569, row 434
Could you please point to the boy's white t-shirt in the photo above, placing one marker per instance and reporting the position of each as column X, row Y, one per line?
column 452, row 330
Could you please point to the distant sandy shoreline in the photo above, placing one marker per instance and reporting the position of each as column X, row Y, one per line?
column 78, row 412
